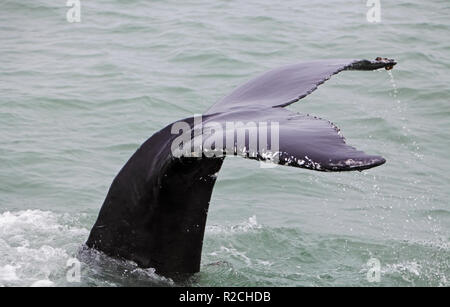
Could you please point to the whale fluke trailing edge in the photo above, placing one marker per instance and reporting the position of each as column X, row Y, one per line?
column 155, row 211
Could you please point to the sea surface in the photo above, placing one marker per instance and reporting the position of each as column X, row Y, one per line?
column 77, row 99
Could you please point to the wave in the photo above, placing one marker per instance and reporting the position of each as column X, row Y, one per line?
column 35, row 246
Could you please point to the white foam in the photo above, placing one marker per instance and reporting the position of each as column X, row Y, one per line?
column 36, row 244
column 8, row 273
column 249, row 225
column 234, row 252
column 411, row 267
column 28, row 222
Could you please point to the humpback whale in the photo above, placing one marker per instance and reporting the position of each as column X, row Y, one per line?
column 155, row 211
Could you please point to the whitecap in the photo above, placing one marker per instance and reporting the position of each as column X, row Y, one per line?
column 8, row 273
column 36, row 244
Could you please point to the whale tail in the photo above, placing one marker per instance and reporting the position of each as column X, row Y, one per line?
column 156, row 208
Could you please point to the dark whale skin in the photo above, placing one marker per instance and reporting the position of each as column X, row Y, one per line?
column 156, row 209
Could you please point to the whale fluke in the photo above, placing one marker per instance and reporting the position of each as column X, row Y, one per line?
column 285, row 85
column 155, row 211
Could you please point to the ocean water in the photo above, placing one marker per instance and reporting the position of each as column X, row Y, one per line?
column 77, row 99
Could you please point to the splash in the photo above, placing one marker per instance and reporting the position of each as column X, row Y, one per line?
column 8, row 273
column 249, row 225
column 99, row 266
column 394, row 85
column 401, row 109
column 35, row 246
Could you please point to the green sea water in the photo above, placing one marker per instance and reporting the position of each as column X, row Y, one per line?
column 77, row 99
